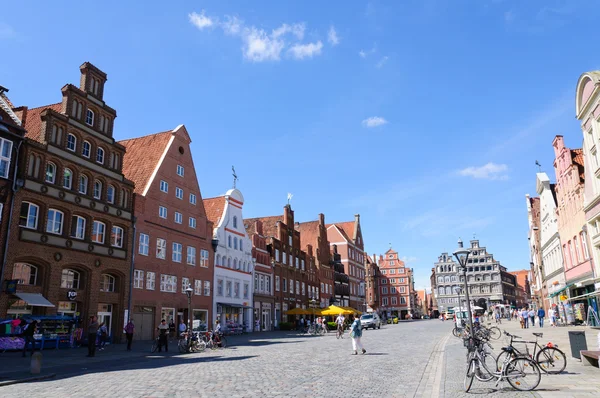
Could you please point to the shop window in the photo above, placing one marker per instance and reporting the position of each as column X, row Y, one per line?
column 25, row 274
column 107, row 283
column 70, row 279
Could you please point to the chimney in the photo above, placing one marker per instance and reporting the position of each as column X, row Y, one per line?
column 321, row 218
column 92, row 80
column 259, row 227
column 357, row 218
column 288, row 215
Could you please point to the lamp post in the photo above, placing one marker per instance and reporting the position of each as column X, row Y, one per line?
column 462, row 255
column 189, row 292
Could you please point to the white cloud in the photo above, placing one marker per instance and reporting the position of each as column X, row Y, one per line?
column 301, row 51
column 296, row 29
column 382, row 61
column 232, row 25
column 200, row 21
column 261, row 47
column 374, row 121
column 362, row 54
column 332, row 36
column 489, row 171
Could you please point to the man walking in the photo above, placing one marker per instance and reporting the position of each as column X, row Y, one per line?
column 356, row 334
column 552, row 315
column 92, row 335
column 163, row 338
column 28, row 336
column 182, row 327
column 541, row 314
column 525, row 316
column 532, row 317
column 129, row 329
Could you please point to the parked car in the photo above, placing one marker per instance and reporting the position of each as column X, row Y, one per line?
column 370, row 320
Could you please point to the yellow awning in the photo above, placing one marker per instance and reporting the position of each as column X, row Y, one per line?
column 352, row 310
column 296, row 311
column 335, row 310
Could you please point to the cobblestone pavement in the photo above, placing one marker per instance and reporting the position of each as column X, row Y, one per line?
column 294, row 366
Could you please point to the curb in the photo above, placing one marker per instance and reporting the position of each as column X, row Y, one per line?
column 26, row 380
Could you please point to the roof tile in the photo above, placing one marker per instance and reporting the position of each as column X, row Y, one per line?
column 33, row 121
column 214, row 208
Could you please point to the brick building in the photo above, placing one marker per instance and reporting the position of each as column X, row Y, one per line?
column 313, row 234
column 347, row 237
column 264, row 302
column 523, row 288
column 174, row 247
column 71, row 244
column 373, row 275
column 395, row 286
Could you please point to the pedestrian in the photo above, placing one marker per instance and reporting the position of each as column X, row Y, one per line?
column 521, row 321
column 92, row 331
column 552, row 315
column 163, row 339
column 525, row 316
column 532, row 317
column 356, row 334
column 28, row 337
column 182, row 328
column 172, row 328
column 103, row 336
column 129, row 329
column 541, row 314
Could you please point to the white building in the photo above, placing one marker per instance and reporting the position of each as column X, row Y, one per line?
column 232, row 298
column 552, row 256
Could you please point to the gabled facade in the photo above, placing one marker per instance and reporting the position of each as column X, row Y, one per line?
column 71, row 236
column 234, row 268
column 372, row 284
column 173, row 246
column 538, row 288
column 347, row 237
column 395, row 286
column 264, row 302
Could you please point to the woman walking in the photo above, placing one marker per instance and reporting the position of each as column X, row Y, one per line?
column 356, row 334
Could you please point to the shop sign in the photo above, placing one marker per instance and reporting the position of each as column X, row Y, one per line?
column 563, row 298
column 71, row 295
column 11, row 286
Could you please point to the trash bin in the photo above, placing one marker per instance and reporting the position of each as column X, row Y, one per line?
column 578, row 343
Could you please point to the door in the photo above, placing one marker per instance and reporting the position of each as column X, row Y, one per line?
column 143, row 319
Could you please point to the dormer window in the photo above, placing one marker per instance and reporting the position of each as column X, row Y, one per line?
column 89, row 117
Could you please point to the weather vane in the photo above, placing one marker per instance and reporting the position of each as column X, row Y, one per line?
column 289, row 198
column 235, row 177
column 538, row 165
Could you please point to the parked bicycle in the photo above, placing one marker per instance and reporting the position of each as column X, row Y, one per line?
column 214, row 340
column 549, row 358
column 191, row 343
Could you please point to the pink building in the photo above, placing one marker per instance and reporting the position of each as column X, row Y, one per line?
column 569, row 169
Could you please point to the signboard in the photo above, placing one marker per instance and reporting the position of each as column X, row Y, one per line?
column 71, row 295
column 11, row 286
column 563, row 297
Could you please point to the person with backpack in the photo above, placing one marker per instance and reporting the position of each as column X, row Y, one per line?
column 28, row 337
column 356, row 334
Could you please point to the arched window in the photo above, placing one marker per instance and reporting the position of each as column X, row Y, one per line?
column 71, row 142
column 440, row 279
column 110, row 194
column 218, row 259
column 229, row 241
column 50, row 173
column 100, row 155
column 25, row 274
column 116, row 236
column 235, row 243
column 67, row 178
column 97, row 189
column 79, row 110
column 83, row 184
column 74, row 108
column 107, row 283
column 70, row 279
column 448, row 290
column 98, row 231
column 241, row 245
column 54, row 224
column 441, row 290
column 229, row 262
column 86, row 149
column 234, row 222
column 235, row 264
column 89, row 117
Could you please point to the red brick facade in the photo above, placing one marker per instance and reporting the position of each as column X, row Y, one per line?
column 395, row 285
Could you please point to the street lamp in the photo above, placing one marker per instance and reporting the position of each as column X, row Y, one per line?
column 462, row 255
column 189, row 292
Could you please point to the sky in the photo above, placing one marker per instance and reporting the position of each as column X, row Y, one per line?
column 424, row 117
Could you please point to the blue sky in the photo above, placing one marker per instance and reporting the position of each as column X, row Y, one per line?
column 426, row 117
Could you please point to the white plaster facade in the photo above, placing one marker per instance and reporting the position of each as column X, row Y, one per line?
column 233, row 281
column 552, row 256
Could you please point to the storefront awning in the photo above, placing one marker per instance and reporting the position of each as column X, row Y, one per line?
column 561, row 290
column 233, row 305
column 34, row 299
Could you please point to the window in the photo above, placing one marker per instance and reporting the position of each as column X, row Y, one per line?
column 198, row 287
column 28, row 216
column 97, row 189
column 394, row 300
column 402, row 289
column 107, row 283
column 162, row 212
column 402, row 300
column 110, row 194
column 268, row 284
column 150, row 280
column 584, row 246
column 192, row 222
column 55, row 222
column 384, row 290
column 164, row 186
column 79, row 109
column 204, row 258
column 207, row 288
column 577, row 252
column 291, row 286
column 180, row 170
column 168, row 283
column 50, row 173
column 176, row 255
column 89, row 117
column 138, row 279
column 302, row 264
column 297, row 287
column 144, row 244
column 100, row 155
column 5, row 157
column 77, row 227
column 71, row 142
column 236, row 290
column 235, row 240
column 25, row 274
column 178, row 218
column 276, row 283
column 83, row 184
column 290, row 240
column 178, row 193
column 185, row 283
column 116, row 237
column 392, row 289
column 303, row 289
column 234, row 222
column 392, row 262
column 191, row 255
column 86, row 149
column 228, row 289
column 284, row 285
column 220, row 287
column 229, row 241
column 384, row 301
column 284, row 257
column 69, row 279
column 98, row 230
column 392, row 271
column 192, row 199
column 241, row 245
column 246, row 290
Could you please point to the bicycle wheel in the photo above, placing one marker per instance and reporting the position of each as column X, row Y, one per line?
column 182, row 345
column 495, row 332
column 154, row 346
column 523, row 374
column 455, row 332
column 223, row 343
column 469, row 375
column 551, row 360
column 198, row 346
column 502, row 359
column 487, row 365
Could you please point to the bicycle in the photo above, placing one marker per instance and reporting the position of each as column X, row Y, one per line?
column 522, row 373
column 549, row 358
column 155, row 345
column 193, row 344
column 340, row 332
column 211, row 342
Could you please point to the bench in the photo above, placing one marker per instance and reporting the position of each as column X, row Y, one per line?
column 589, row 358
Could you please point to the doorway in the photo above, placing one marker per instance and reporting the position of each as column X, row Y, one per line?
column 105, row 316
column 143, row 319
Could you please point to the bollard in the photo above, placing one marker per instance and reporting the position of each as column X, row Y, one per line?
column 36, row 363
